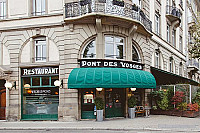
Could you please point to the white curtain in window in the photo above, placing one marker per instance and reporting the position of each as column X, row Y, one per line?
column 38, row 7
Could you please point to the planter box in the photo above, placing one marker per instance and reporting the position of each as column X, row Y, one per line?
column 99, row 115
column 190, row 114
column 119, row 3
column 131, row 113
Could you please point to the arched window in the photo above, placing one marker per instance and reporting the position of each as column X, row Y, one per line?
column 135, row 55
column 40, row 49
column 90, row 50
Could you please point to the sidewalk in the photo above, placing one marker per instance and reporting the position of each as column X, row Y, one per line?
column 154, row 123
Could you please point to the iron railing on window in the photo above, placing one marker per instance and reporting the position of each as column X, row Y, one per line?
column 193, row 62
column 171, row 10
column 80, row 8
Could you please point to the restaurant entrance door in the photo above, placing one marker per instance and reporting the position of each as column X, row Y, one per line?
column 2, row 100
column 115, row 102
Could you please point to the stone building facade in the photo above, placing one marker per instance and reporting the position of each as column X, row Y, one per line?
column 43, row 35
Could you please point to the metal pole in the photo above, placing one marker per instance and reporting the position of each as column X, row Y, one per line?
column 174, row 92
column 190, row 94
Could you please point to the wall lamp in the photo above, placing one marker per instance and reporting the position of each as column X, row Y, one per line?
column 133, row 89
column 10, row 86
column 99, row 90
column 59, row 83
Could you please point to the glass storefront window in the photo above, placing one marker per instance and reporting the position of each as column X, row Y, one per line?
column 36, row 81
column 45, row 80
column 40, row 97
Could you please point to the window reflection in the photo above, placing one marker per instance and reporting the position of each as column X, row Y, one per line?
column 90, row 50
column 114, row 47
column 135, row 56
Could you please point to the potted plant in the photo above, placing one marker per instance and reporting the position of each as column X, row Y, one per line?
column 99, row 103
column 118, row 2
column 131, row 106
column 135, row 7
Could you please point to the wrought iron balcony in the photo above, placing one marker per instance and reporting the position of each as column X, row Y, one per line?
column 193, row 65
column 173, row 13
column 107, row 8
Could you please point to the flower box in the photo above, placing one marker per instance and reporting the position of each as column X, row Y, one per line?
column 118, row 2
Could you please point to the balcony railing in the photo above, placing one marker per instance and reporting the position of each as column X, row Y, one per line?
column 193, row 63
column 171, row 10
column 80, row 8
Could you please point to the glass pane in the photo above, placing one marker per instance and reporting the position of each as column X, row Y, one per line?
column 119, row 40
column 26, row 80
column 38, row 52
column 109, row 39
column 36, row 81
column 38, row 7
column 45, row 81
column 43, row 6
column 41, row 101
column 44, row 52
column 109, row 51
column 135, row 56
column 119, row 52
column 54, row 78
column 90, row 50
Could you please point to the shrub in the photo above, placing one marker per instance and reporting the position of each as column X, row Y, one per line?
column 132, row 102
column 182, row 106
column 193, row 107
column 178, row 98
column 99, row 103
column 163, row 104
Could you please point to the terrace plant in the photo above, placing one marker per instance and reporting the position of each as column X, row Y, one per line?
column 178, row 98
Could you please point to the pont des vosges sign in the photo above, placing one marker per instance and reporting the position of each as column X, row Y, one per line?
column 110, row 63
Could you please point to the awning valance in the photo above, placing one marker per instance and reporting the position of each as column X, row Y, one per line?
column 110, row 78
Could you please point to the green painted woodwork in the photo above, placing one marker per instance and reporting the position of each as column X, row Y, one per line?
column 88, row 115
column 110, row 78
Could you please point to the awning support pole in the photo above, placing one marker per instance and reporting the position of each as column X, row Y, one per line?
column 190, row 94
column 174, row 93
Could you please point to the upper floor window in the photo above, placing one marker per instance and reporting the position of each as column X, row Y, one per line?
column 2, row 9
column 174, row 38
column 90, row 50
column 171, row 65
column 157, row 59
column 168, row 33
column 137, row 2
column 157, row 24
column 114, row 47
column 180, row 69
column 40, row 49
column 181, row 44
column 39, row 7
column 135, row 55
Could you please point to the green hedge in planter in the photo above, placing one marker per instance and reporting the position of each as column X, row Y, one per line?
column 132, row 102
column 99, row 103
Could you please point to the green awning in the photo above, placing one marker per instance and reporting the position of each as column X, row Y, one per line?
column 110, row 78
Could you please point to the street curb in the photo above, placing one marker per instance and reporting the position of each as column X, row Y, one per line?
column 93, row 128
